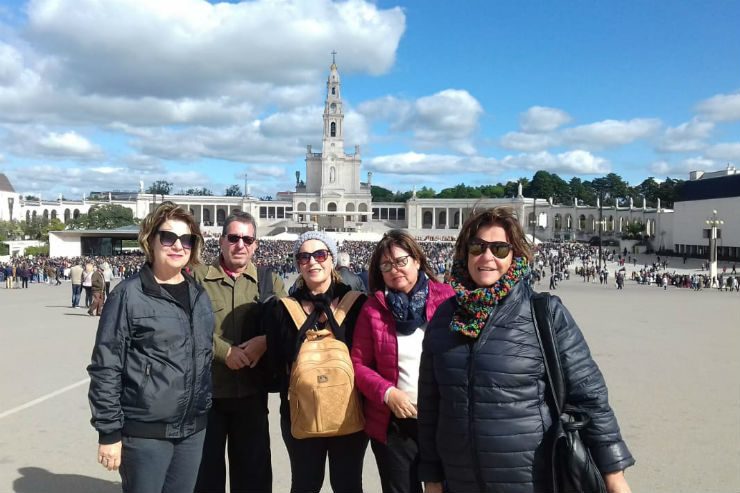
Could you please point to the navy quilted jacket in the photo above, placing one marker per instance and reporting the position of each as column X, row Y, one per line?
column 482, row 409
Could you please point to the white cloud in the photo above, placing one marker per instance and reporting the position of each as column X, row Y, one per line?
column 578, row 162
column 611, row 133
column 274, row 172
column 519, row 141
column 428, row 164
column 682, row 168
column 539, row 119
column 725, row 151
column 447, row 119
column 686, row 137
column 720, row 108
column 39, row 142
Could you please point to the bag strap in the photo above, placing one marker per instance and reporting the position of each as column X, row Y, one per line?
column 542, row 319
column 264, row 283
column 345, row 305
column 295, row 310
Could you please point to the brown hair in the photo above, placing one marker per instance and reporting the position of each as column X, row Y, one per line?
column 501, row 216
column 167, row 211
column 404, row 241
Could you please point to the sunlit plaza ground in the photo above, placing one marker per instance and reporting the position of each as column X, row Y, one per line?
column 671, row 360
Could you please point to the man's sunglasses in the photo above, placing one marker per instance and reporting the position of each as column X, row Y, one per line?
column 305, row 257
column 234, row 239
column 499, row 249
column 168, row 238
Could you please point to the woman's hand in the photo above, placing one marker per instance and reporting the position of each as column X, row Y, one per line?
column 616, row 483
column 401, row 404
column 432, row 487
column 110, row 456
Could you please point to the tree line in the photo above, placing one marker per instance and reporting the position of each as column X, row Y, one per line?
column 611, row 188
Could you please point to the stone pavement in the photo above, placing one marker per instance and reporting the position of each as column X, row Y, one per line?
column 670, row 359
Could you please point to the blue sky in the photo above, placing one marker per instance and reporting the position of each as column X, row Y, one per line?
column 102, row 95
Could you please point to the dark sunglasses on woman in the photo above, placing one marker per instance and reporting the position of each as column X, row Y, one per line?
column 305, row 257
column 168, row 238
column 248, row 240
column 499, row 249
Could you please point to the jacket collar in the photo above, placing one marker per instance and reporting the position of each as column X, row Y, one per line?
column 150, row 285
column 216, row 272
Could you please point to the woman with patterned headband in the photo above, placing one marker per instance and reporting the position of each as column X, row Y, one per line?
column 484, row 410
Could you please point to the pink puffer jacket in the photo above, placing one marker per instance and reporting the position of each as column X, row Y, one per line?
column 375, row 355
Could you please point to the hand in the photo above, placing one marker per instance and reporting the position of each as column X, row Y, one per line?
column 400, row 404
column 110, row 456
column 615, row 482
column 254, row 348
column 236, row 359
column 432, row 487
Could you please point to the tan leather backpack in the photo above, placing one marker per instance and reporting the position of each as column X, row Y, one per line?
column 322, row 394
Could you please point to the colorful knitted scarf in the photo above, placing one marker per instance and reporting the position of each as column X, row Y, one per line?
column 475, row 305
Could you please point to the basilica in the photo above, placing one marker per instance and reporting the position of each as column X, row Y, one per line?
column 332, row 196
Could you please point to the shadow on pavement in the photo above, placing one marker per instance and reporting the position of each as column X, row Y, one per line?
column 38, row 480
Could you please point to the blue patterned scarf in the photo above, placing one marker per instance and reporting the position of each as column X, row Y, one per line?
column 409, row 310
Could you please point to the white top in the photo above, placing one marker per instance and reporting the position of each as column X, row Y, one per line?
column 409, row 359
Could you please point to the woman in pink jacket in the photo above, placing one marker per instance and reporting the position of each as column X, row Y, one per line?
column 386, row 352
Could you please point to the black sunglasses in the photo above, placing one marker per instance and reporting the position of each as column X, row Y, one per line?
column 168, row 238
column 499, row 249
column 305, row 257
column 248, row 240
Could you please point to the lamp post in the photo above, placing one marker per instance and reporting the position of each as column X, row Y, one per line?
column 713, row 222
column 601, row 219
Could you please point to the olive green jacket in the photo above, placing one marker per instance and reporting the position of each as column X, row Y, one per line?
column 237, row 311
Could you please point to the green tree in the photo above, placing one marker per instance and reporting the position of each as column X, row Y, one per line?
column 160, row 187
column 233, row 191
column 649, row 189
column 105, row 216
column 200, row 191
column 426, row 193
column 670, row 191
column 492, row 191
column 380, row 194
column 460, row 191
column 543, row 185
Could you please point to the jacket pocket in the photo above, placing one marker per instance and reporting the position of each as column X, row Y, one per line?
column 141, row 400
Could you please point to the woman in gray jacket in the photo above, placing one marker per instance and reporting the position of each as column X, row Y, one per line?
column 483, row 407
column 150, row 375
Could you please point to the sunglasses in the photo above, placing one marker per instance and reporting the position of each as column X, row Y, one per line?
column 234, row 239
column 397, row 263
column 305, row 257
column 499, row 249
column 168, row 238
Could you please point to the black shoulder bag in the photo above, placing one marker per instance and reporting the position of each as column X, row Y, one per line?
column 573, row 468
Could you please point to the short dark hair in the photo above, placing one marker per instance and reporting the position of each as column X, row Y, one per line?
column 242, row 217
column 502, row 216
column 404, row 241
column 164, row 212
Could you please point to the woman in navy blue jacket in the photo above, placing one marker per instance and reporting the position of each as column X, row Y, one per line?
column 483, row 412
column 150, row 375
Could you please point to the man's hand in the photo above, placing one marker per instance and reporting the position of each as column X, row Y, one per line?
column 109, row 456
column 432, row 487
column 254, row 348
column 236, row 359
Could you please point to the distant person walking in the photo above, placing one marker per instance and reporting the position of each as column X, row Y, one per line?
column 75, row 274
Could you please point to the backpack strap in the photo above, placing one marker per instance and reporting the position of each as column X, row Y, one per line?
column 340, row 312
column 296, row 311
column 345, row 305
column 264, row 283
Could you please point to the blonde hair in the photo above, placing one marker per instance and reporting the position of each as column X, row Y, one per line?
column 169, row 211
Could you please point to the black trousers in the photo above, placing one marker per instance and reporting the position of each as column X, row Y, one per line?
column 240, row 427
column 398, row 458
column 308, row 460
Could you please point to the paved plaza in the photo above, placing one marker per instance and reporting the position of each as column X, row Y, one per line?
column 671, row 360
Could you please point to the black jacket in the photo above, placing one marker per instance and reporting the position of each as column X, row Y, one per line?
column 483, row 412
column 150, row 374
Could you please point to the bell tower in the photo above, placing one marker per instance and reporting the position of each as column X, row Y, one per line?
column 333, row 141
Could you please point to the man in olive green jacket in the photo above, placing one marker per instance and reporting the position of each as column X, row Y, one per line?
column 239, row 413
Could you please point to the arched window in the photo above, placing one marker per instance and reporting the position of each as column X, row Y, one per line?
column 53, row 214
column 333, row 129
column 76, row 214
column 427, row 220
column 558, row 222
column 220, row 217
column 28, row 216
column 332, row 207
column 333, row 91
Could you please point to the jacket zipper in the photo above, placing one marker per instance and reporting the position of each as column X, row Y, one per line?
column 471, row 425
column 191, row 398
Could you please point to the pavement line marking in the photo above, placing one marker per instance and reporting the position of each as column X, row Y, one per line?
column 43, row 398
